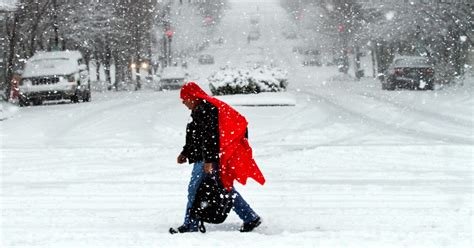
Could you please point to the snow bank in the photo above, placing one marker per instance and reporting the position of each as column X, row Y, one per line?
column 228, row 81
column 7, row 110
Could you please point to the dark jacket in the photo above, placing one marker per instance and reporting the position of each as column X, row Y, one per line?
column 202, row 135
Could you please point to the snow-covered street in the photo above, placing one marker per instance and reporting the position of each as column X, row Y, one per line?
column 349, row 165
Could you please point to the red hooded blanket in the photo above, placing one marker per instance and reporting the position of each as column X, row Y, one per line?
column 236, row 161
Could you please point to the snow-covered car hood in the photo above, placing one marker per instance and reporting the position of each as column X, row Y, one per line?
column 49, row 66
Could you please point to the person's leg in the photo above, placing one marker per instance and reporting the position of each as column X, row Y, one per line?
column 242, row 208
column 196, row 177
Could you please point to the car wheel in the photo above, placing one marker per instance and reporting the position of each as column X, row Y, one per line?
column 390, row 87
column 75, row 98
column 37, row 101
column 429, row 86
column 23, row 102
column 386, row 86
column 87, row 96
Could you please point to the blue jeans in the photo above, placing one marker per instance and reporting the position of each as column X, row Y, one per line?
column 241, row 207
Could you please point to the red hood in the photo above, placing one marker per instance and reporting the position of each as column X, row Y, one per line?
column 236, row 160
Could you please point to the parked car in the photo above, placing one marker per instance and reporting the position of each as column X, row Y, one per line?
column 342, row 64
column 255, row 20
column 290, row 35
column 312, row 51
column 312, row 61
column 150, row 81
column 184, row 64
column 414, row 72
column 298, row 49
column 54, row 76
column 172, row 78
column 219, row 40
column 306, row 50
column 254, row 35
column 206, row 59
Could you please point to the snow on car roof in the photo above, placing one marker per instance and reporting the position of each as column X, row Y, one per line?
column 173, row 72
column 52, row 63
column 411, row 61
column 57, row 54
column 407, row 57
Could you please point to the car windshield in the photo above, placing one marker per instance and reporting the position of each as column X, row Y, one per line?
column 411, row 62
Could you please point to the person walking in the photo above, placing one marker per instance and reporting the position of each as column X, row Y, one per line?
column 216, row 142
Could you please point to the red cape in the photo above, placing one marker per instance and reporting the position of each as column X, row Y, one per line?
column 236, row 160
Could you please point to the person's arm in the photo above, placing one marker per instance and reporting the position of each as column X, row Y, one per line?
column 181, row 159
column 209, row 124
column 187, row 148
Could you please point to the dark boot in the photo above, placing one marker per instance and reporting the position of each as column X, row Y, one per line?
column 249, row 226
column 182, row 229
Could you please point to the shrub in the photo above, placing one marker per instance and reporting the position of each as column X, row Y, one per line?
column 229, row 81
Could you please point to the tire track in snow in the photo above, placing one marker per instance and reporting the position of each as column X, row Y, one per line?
column 379, row 124
column 432, row 115
column 100, row 116
column 64, row 118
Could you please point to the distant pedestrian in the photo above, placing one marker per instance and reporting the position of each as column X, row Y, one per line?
column 216, row 142
column 14, row 88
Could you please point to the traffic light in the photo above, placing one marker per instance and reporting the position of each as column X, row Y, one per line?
column 341, row 28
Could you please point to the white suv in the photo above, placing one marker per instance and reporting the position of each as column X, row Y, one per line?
column 55, row 76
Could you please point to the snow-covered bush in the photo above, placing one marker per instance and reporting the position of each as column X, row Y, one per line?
column 228, row 81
